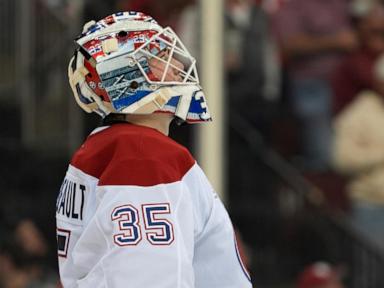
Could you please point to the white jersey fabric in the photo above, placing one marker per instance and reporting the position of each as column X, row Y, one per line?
column 135, row 210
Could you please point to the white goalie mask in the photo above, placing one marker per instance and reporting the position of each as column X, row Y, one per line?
column 127, row 63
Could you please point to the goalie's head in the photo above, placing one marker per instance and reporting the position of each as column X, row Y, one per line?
column 127, row 63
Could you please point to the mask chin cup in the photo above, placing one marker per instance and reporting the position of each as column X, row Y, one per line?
column 192, row 106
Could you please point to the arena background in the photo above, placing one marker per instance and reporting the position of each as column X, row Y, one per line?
column 287, row 216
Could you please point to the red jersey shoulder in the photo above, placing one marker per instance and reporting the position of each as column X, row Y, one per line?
column 126, row 154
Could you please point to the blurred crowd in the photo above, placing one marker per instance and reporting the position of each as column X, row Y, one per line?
column 24, row 259
column 332, row 53
column 320, row 275
column 307, row 74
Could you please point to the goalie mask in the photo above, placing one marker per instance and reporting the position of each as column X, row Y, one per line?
column 127, row 63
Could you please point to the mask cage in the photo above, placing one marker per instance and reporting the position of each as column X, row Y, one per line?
column 168, row 52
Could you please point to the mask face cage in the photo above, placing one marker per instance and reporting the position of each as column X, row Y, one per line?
column 168, row 61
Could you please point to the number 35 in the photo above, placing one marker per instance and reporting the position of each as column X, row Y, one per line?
column 158, row 230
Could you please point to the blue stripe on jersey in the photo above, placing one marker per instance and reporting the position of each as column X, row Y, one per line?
column 241, row 262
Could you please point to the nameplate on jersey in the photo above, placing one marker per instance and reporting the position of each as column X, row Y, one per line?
column 71, row 200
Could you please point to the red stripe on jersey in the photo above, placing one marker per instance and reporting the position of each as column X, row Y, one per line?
column 127, row 154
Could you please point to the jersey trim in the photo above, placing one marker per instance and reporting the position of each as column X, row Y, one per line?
column 72, row 170
column 241, row 262
column 98, row 129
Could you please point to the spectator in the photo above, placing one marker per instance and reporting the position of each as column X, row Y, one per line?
column 23, row 259
column 359, row 138
column 319, row 275
column 252, row 88
column 313, row 35
column 96, row 9
column 250, row 62
column 166, row 11
column 12, row 273
column 356, row 72
column 252, row 72
column 251, row 69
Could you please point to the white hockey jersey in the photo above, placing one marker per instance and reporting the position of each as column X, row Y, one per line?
column 135, row 210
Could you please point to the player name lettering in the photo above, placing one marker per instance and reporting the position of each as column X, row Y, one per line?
column 70, row 202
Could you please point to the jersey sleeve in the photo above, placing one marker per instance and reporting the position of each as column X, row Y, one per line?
column 217, row 261
column 75, row 206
